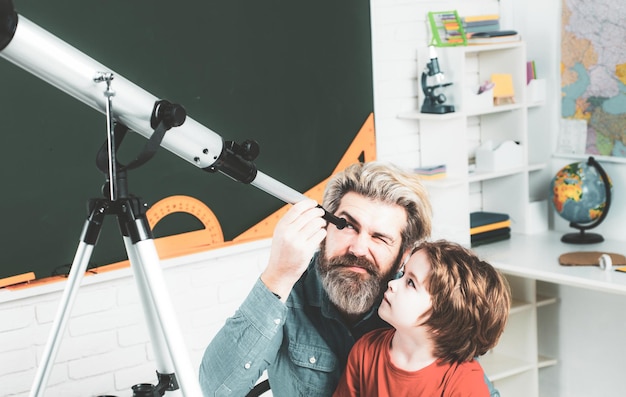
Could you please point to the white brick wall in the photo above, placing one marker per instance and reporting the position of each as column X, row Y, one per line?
column 106, row 348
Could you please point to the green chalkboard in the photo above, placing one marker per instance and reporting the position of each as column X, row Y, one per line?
column 295, row 76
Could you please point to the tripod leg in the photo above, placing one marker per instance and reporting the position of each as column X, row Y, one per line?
column 91, row 231
column 161, row 317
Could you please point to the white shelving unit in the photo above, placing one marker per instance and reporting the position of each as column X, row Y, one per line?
column 513, row 365
column 452, row 139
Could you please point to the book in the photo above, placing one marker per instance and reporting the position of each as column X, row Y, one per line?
column 488, row 23
column 491, row 240
column 493, row 34
column 531, row 71
column 483, row 221
column 488, row 235
column 431, row 172
column 481, row 218
column 432, row 177
column 493, row 37
column 478, row 28
column 477, row 24
column 488, row 227
column 487, row 17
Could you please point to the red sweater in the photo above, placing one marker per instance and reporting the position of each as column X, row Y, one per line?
column 370, row 372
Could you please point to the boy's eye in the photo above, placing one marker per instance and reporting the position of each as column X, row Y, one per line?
column 410, row 283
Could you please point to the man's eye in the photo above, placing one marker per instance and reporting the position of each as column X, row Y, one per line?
column 398, row 275
column 384, row 240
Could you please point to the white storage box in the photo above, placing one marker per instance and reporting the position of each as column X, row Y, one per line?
column 477, row 103
column 490, row 157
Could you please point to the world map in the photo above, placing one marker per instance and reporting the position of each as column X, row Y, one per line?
column 593, row 73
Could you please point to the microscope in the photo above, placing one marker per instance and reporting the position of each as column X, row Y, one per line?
column 434, row 102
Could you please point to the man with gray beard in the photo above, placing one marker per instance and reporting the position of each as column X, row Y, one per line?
column 353, row 291
column 322, row 286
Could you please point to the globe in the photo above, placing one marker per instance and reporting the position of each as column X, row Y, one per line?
column 581, row 194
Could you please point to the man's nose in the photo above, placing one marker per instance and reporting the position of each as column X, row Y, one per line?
column 358, row 245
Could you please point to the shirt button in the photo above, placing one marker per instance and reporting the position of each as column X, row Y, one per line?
column 277, row 321
column 312, row 360
column 247, row 365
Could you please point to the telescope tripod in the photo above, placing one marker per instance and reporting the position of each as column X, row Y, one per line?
column 175, row 373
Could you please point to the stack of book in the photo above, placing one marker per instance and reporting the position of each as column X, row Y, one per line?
column 481, row 23
column 431, row 172
column 489, row 227
column 485, row 29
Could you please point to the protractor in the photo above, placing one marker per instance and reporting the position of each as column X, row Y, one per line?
column 189, row 205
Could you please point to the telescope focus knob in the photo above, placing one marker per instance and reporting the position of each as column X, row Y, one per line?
column 172, row 114
column 250, row 150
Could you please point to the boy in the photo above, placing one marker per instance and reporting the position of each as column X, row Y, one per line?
column 447, row 308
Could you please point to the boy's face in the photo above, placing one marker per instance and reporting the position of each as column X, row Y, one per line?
column 406, row 299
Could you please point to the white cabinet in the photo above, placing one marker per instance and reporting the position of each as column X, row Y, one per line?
column 514, row 364
column 453, row 138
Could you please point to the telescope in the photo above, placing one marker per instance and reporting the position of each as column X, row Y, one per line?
column 44, row 55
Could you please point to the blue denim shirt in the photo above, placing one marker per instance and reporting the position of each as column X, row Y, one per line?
column 303, row 344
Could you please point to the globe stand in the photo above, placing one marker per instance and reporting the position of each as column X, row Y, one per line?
column 582, row 237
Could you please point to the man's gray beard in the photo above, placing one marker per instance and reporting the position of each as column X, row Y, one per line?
column 353, row 293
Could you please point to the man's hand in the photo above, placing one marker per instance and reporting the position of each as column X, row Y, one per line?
column 296, row 238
